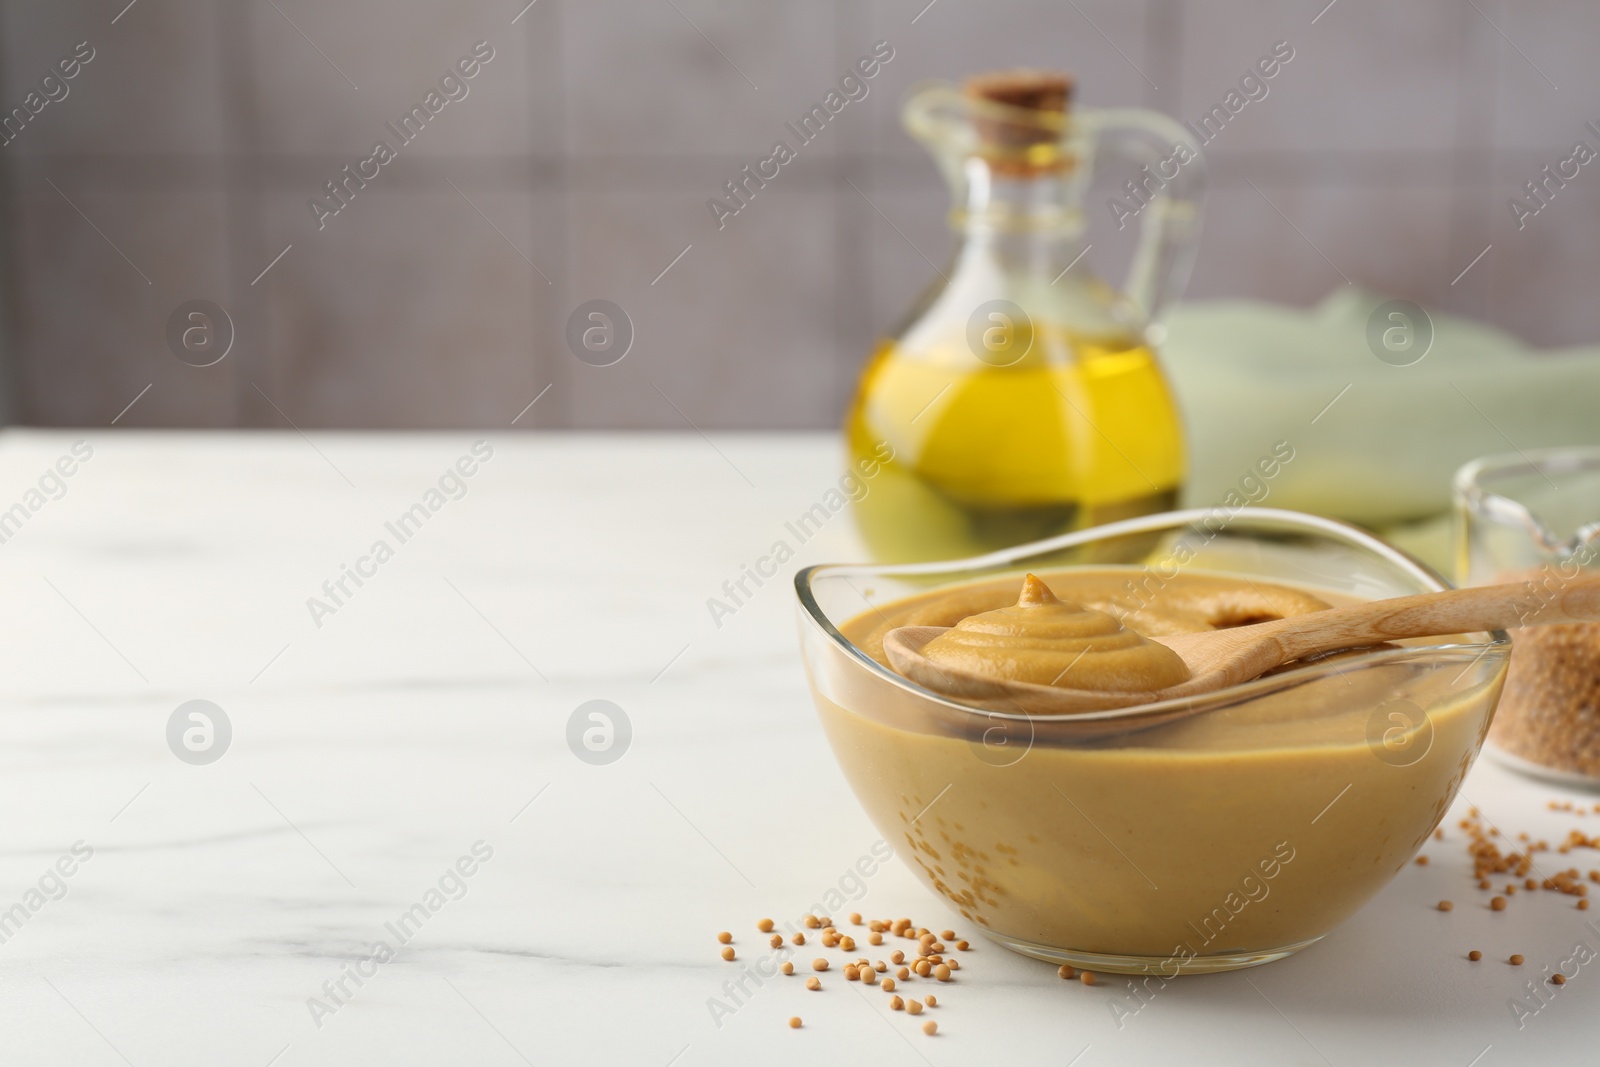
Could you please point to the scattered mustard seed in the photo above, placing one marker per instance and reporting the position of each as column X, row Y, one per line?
column 1086, row 977
column 855, row 918
column 1065, row 971
column 1497, row 904
column 813, row 984
column 942, row 973
column 847, row 943
column 1516, row 959
column 1474, row 955
column 903, row 973
column 1558, row 978
column 874, row 938
column 962, row 946
column 798, row 938
column 819, row 964
column 728, row 953
column 1422, row 861
column 1445, row 905
column 896, row 1004
column 851, row 972
column 948, row 935
column 914, row 1007
column 811, row 922
column 765, row 926
column 794, row 1022
column 888, row 985
column 931, row 1000
column 930, row 1028
column 725, row 937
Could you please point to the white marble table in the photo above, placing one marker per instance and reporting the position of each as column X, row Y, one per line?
column 369, row 754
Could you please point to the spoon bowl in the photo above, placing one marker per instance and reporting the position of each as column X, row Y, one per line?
column 1218, row 659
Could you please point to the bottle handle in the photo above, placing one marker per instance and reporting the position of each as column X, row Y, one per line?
column 1166, row 203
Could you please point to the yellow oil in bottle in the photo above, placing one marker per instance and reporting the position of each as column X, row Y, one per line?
column 976, row 457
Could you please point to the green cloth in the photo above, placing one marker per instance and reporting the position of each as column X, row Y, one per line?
column 1248, row 375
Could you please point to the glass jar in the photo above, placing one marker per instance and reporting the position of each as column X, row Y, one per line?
column 1534, row 518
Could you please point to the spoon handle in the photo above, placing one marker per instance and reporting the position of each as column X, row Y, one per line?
column 1485, row 607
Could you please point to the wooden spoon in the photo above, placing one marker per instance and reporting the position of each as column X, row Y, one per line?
column 1220, row 658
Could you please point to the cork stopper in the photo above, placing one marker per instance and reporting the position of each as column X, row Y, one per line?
column 1021, row 146
column 1035, row 90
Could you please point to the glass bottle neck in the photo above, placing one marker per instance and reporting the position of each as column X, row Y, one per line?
column 1020, row 222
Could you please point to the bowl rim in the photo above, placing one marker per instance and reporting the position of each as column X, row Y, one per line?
column 1406, row 562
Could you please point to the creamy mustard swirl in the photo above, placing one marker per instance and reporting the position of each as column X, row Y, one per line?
column 1045, row 641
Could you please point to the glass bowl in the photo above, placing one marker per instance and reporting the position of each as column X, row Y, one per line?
column 1225, row 839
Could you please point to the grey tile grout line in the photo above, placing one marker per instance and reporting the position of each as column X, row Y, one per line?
column 243, row 197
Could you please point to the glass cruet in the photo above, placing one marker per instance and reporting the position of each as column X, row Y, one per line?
column 1021, row 398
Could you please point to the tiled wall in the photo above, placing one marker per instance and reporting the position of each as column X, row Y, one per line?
column 578, row 166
